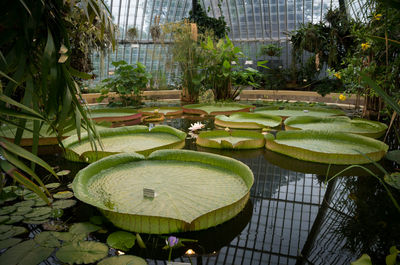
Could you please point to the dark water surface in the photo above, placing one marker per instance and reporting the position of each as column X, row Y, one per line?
column 293, row 217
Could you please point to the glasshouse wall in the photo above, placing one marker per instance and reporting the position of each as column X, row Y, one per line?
column 256, row 26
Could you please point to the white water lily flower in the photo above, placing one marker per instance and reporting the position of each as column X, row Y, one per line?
column 196, row 126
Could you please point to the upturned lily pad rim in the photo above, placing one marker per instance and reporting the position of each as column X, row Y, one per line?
column 228, row 121
column 254, row 139
column 196, row 108
column 377, row 128
column 150, row 110
column 130, row 114
column 165, row 224
column 333, row 112
column 327, row 158
column 112, row 132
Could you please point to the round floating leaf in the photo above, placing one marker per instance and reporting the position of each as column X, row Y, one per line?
column 231, row 140
column 25, row 203
column 40, row 202
column 69, row 185
column 394, row 155
column 69, row 237
column 23, row 210
column 344, row 124
column 64, row 204
column 11, row 231
column 11, row 188
column 5, row 228
column 123, row 260
column 47, row 239
column 327, row 147
column 82, row 252
column 37, row 212
column 55, row 185
column 7, row 234
column 393, row 180
column 125, row 139
column 9, row 242
column 83, row 228
column 121, row 240
column 194, row 190
column 22, row 192
column 167, row 111
column 299, row 111
column 36, row 221
column 244, row 120
column 216, row 108
column 7, row 209
column 4, row 218
column 32, row 196
column 63, row 173
column 25, row 253
column 64, row 194
column 115, row 114
column 14, row 219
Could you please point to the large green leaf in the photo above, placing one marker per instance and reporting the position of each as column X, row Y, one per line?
column 231, row 140
column 125, row 139
column 245, row 120
column 364, row 127
column 121, row 240
column 216, row 108
column 82, row 252
column 194, row 190
column 327, row 147
column 83, row 228
column 167, row 111
column 123, row 260
column 25, row 253
column 115, row 114
column 298, row 111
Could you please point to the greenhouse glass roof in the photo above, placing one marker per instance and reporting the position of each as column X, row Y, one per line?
column 252, row 23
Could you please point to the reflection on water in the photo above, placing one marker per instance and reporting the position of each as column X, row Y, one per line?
column 293, row 217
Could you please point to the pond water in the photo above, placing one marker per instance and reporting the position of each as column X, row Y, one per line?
column 293, row 216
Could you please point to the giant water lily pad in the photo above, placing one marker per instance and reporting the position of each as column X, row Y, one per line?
column 216, row 108
column 167, row 111
column 136, row 138
column 193, row 190
column 327, row 147
column 364, row 127
column 231, row 140
column 82, row 252
column 244, row 120
column 295, row 111
column 115, row 114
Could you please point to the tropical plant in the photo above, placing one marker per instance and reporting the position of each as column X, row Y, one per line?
column 205, row 23
column 190, row 57
column 271, row 50
column 128, row 82
column 38, row 77
column 155, row 29
column 132, row 33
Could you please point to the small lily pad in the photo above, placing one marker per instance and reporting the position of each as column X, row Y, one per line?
column 32, row 196
column 10, row 198
column 40, row 202
column 7, row 209
column 19, row 230
column 26, row 252
column 7, row 235
column 64, row 204
column 394, row 155
column 69, row 237
column 63, row 172
column 393, row 180
column 121, row 240
column 69, row 185
column 53, row 185
column 23, row 210
column 22, row 192
column 47, row 239
column 11, row 231
column 4, row 218
column 123, row 260
column 82, row 252
column 54, row 225
column 64, row 195
column 9, row 242
column 35, row 222
column 14, row 219
column 25, row 203
column 39, row 211
column 83, row 228
column 5, row 228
